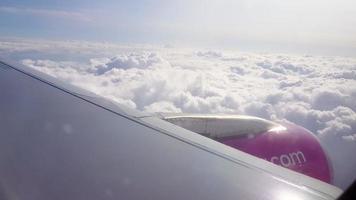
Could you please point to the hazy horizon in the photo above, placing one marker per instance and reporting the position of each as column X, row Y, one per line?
column 305, row 27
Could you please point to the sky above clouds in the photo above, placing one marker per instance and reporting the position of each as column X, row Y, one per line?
column 305, row 26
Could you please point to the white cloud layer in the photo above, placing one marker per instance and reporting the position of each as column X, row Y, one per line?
column 318, row 93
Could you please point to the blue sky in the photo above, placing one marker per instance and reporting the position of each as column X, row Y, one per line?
column 304, row 26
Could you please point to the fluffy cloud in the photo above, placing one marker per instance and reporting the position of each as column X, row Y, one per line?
column 318, row 93
column 209, row 54
column 132, row 60
column 327, row 99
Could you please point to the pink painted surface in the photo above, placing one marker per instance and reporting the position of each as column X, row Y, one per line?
column 294, row 147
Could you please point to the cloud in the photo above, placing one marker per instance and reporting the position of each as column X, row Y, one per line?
column 327, row 100
column 162, row 106
column 132, row 60
column 209, row 54
column 339, row 150
column 260, row 109
column 315, row 92
column 69, row 15
column 345, row 75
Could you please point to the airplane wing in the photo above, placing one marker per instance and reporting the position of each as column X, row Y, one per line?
column 59, row 142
